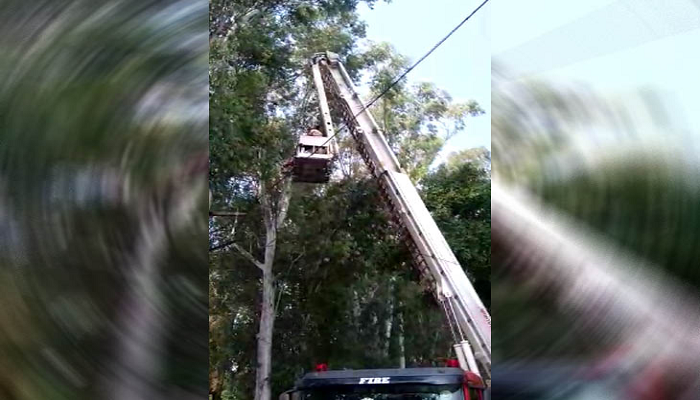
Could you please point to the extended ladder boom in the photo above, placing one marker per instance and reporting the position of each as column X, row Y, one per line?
column 431, row 253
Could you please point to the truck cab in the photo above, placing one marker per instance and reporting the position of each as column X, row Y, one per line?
column 387, row 384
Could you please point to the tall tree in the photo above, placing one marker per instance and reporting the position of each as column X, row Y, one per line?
column 258, row 54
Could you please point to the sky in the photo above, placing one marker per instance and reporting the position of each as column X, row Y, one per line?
column 461, row 66
column 611, row 46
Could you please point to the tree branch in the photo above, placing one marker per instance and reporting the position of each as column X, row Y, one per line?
column 223, row 213
column 221, row 245
column 249, row 256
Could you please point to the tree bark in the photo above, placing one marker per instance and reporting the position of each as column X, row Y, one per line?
column 267, row 319
column 389, row 321
column 216, row 384
column 356, row 308
column 402, row 348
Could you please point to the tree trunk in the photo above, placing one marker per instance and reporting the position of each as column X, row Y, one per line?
column 215, row 384
column 267, row 320
column 402, row 348
column 274, row 215
column 388, row 322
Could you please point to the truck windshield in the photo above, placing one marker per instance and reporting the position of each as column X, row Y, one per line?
column 386, row 392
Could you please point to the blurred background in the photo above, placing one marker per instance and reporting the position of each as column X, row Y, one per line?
column 595, row 133
column 104, row 151
column 103, row 161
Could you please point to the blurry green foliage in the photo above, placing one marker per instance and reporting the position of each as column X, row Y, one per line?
column 591, row 157
column 84, row 153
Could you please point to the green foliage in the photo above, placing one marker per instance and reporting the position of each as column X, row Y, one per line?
column 342, row 274
column 340, row 263
column 480, row 157
column 643, row 200
column 258, row 52
column 93, row 135
column 650, row 209
column 459, row 197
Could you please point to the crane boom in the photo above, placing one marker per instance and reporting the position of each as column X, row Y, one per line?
column 470, row 321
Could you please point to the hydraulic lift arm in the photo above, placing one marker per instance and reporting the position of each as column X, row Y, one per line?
column 470, row 321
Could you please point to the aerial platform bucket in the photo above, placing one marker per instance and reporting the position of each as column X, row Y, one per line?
column 313, row 158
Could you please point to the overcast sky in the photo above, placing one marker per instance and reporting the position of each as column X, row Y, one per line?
column 612, row 46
